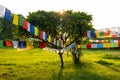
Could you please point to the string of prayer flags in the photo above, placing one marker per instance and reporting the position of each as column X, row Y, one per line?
column 2, row 11
column 15, row 19
column 8, row 15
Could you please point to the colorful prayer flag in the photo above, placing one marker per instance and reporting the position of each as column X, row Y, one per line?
column 2, row 11
column 8, row 15
column 15, row 19
column 25, row 24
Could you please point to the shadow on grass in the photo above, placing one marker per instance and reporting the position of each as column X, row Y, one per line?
column 111, row 56
column 9, row 64
column 107, row 64
column 81, row 71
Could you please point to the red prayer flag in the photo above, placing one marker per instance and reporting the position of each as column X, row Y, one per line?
column 119, row 43
column 25, row 24
column 42, row 44
column 41, row 34
column 8, row 43
column 53, row 40
column 88, row 46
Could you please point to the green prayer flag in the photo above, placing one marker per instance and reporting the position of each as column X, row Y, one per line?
column 83, row 46
column 111, row 45
column 115, row 44
column 21, row 20
column 1, row 43
column 58, row 43
column 35, row 44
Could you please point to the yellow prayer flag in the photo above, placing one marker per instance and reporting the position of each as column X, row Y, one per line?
column 91, row 40
column 106, row 45
column 78, row 46
column 97, row 34
column 49, row 38
column 29, row 45
column 15, row 19
column 36, row 31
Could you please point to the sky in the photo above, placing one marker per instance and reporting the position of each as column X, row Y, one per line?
column 106, row 13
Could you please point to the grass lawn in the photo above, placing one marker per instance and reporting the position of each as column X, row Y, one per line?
column 40, row 64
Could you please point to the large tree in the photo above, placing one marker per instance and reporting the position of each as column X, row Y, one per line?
column 68, row 26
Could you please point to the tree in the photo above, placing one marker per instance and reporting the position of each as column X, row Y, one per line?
column 7, row 30
column 68, row 26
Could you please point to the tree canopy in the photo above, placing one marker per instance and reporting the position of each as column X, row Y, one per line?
column 69, row 25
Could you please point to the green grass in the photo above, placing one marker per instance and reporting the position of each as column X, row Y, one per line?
column 40, row 64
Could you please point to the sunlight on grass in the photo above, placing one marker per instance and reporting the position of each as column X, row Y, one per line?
column 38, row 64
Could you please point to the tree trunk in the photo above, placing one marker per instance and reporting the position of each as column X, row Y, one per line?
column 76, row 55
column 61, row 58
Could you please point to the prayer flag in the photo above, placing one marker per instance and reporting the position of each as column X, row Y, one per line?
column 99, row 45
column 20, row 21
column 31, row 29
column 8, row 43
column 49, row 39
column 107, row 33
column 97, row 33
column 93, row 45
column 88, row 46
column 41, row 34
column 8, row 15
column 106, row 45
column 1, row 43
column 83, row 46
column 89, row 34
column 15, row 19
column 25, row 24
column 15, row 44
column 2, row 11
column 36, row 31
column 58, row 43
column 28, row 29
column 93, row 34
